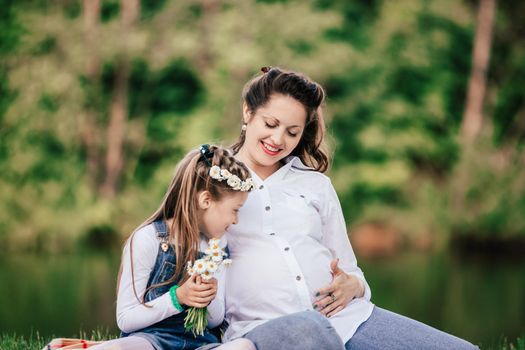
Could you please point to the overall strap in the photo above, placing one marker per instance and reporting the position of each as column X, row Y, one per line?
column 161, row 228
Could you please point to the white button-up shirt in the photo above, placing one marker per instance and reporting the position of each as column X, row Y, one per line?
column 289, row 230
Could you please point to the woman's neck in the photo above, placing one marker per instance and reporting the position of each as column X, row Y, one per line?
column 263, row 171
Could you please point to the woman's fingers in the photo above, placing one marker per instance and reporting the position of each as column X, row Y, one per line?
column 334, row 311
column 326, row 290
column 322, row 303
column 329, row 304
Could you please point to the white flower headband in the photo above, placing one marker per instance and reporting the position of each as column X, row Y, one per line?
column 222, row 174
column 232, row 180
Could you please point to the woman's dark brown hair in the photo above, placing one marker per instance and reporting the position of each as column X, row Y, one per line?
column 258, row 91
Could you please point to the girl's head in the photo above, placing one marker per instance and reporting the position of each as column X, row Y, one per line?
column 282, row 116
column 204, row 196
column 199, row 198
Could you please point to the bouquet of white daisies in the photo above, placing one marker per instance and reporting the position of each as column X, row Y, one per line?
column 214, row 258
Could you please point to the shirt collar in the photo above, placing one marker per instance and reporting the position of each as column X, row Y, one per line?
column 290, row 162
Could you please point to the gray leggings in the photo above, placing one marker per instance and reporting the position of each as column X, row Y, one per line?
column 307, row 330
column 388, row 330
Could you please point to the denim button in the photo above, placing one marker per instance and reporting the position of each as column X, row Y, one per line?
column 261, row 187
column 298, row 278
column 267, row 208
column 287, row 248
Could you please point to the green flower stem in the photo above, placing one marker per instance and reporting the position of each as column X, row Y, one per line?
column 196, row 320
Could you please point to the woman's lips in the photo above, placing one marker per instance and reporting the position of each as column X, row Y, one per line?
column 270, row 150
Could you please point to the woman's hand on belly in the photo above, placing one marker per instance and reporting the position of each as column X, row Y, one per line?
column 334, row 297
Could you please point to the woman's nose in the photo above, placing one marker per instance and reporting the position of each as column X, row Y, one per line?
column 277, row 138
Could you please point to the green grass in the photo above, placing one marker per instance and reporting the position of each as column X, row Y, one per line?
column 36, row 342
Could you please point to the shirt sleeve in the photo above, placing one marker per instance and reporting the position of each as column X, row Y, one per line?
column 131, row 314
column 216, row 308
column 335, row 236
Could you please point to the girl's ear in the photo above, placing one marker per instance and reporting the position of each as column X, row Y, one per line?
column 204, row 200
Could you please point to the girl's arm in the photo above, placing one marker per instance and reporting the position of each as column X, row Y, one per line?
column 131, row 314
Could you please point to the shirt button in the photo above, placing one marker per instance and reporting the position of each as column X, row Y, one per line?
column 287, row 248
column 298, row 278
column 272, row 234
column 302, row 196
column 267, row 208
column 261, row 187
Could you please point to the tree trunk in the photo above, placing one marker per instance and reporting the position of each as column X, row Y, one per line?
column 89, row 129
column 473, row 116
column 119, row 106
column 205, row 57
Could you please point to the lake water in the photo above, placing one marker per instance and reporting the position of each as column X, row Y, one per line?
column 477, row 299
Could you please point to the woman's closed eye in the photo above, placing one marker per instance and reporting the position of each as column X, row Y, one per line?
column 270, row 126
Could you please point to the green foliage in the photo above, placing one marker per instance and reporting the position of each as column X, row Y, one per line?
column 109, row 10
column 395, row 73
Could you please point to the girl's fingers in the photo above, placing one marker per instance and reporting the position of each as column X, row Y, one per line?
column 201, row 300
column 212, row 280
column 207, row 293
column 202, row 287
column 199, row 305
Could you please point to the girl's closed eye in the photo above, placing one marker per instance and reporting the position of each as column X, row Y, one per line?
column 292, row 134
column 270, row 126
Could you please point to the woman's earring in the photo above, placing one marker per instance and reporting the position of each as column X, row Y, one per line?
column 243, row 127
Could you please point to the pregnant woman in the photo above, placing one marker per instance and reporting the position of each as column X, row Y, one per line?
column 295, row 280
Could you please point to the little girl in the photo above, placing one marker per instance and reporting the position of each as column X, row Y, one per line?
column 199, row 205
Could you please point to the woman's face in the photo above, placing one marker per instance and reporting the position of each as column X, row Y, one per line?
column 272, row 133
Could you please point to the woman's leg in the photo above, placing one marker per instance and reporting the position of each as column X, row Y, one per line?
column 308, row 330
column 387, row 330
column 127, row 343
column 236, row 344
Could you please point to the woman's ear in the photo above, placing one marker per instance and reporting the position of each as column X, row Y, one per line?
column 204, row 200
column 246, row 113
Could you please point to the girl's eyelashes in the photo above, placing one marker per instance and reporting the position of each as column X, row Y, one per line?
column 292, row 134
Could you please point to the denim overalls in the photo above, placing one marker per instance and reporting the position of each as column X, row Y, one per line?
column 168, row 334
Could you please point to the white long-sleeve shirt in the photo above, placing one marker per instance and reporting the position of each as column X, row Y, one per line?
column 289, row 230
column 131, row 314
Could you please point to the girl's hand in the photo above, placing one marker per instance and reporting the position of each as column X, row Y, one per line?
column 334, row 297
column 197, row 293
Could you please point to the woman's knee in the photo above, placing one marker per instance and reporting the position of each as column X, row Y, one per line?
column 302, row 330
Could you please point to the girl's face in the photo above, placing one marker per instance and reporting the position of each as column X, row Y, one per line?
column 216, row 216
column 272, row 133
